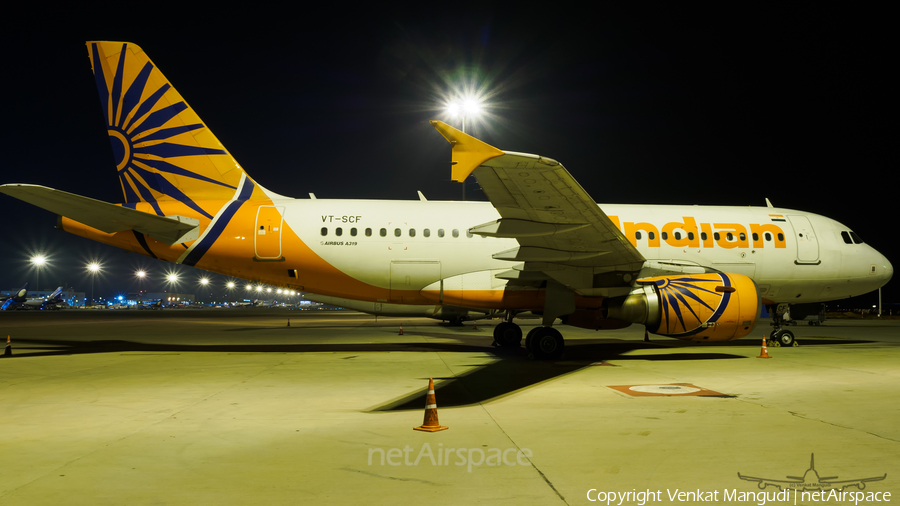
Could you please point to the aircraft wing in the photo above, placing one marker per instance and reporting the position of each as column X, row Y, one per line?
column 562, row 232
column 109, row 218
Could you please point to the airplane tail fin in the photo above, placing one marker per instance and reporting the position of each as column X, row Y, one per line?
column 162, row 150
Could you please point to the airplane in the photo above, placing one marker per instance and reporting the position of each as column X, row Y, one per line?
column 811, row 480
column 15, row 299
column 52, row 301
column 541, row 245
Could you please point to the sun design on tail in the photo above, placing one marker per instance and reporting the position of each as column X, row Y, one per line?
column 686, row 297
column 147, row 126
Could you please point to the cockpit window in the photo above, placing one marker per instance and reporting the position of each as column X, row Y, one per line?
column 856, row 238
column 846, row 237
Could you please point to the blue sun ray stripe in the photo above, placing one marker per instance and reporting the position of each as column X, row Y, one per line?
column 174, row 169
column 166, row 133
column 162, row 185
column 159, row 118
column 170, row 150
column 688, row 307
column 676, row 308
column 117, row 84
column 133, row 95
column 219, row 226
column 100, row 81
column 130, row 196
column 692, row 287
column 665, row 305
column 148, row 104
column 143, row 242
column 686, row 291
column 145, row 193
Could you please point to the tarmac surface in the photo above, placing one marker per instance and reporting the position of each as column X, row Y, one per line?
column 235, row 407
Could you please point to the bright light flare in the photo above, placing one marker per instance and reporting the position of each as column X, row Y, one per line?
column 39, row 260
column 140, row 274
column 94, row 267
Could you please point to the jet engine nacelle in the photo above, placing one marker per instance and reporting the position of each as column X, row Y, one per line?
column 697, row 307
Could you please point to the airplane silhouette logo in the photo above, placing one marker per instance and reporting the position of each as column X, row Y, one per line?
column 811, row 480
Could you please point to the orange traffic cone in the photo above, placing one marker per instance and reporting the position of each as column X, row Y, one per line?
column 764, row 353
column 475, row 324
column 8, row 351
column 289, row 322
column 646, row 336
column 431, row 423
column 401, row 330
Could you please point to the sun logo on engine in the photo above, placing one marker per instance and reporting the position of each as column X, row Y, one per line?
column 154, row 144
column 691, row 303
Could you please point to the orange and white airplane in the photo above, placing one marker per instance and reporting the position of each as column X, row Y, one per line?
column 541, row 244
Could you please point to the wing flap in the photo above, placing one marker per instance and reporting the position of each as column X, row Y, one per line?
column 109, row 218
column 543, row 207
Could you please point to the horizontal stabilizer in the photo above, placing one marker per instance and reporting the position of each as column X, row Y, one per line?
column 109, row 218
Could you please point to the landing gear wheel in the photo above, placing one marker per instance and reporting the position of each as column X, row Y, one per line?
column 508, row 335
column 528, row 338
column 455, row 321
column 784, row 337
column 546, row 343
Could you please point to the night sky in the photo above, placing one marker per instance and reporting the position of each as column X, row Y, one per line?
column 657, row 104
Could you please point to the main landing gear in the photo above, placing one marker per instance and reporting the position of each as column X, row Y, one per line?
column 544, row 343
column 780, row 336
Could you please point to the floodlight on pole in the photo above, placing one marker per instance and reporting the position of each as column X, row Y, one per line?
column 94, row 268
column 38, row 261
column 141, row 274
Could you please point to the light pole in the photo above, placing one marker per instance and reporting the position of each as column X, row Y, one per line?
column 94, row 267
column 140, row 275
column 38, row 261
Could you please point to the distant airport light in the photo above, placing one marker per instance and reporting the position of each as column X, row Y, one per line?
column 230, row 284
column 172, row 278
column 39, row 260
column 259, row 288
column 140, row 274
column 93, row 267
column 204, row 281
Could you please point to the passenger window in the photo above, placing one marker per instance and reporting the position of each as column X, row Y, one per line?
column 426, row 232
column 353, row 232
column 846, row 237
column 651, row 235
column 455, row 232
column 703, row 235
column 665, row 236
column 440, row 232
column 397, row 232
column 677, row 236
column 729, row 237
column 780, row 236
column 637, row 235
column 383, row 232
column 755, row 237
column 368, row 232
column 743, row 236
column 469, row 234
column 717, row 236
column 690, row 236
column 338, row 231
column 768, row 237
column 412, row 232
column 324, row 231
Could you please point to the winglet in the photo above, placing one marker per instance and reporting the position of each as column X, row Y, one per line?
column 468, row 152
